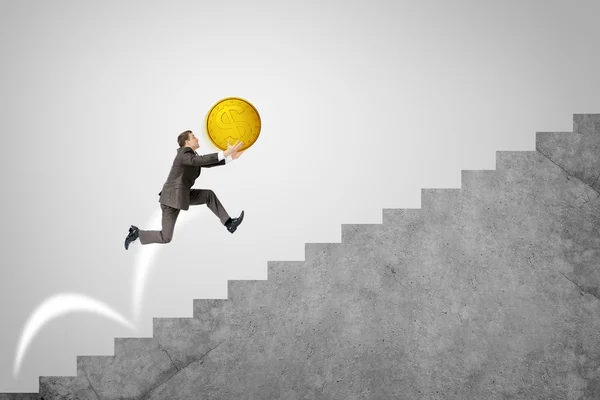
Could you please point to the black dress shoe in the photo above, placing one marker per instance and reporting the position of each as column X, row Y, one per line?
column 232, row 224
column 134, row 233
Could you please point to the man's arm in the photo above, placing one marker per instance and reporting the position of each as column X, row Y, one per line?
column 189, row 157
column 220, row 157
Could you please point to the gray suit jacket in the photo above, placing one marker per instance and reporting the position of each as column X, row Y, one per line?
column 186, row 168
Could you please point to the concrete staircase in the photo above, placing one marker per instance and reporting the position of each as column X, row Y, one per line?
column 490, row 291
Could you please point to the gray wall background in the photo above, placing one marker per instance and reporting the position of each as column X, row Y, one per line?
column 362, row 105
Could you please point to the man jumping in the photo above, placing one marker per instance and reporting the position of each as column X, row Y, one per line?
column 177, row 193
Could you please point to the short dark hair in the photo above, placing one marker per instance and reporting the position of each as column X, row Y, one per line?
column 183, row 136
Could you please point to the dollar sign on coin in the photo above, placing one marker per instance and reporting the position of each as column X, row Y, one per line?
column 233, row 119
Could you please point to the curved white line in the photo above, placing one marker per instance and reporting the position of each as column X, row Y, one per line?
column 145, row 257
column 144, row 260
column 57, row 306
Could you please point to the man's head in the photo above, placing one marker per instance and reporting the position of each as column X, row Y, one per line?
column 188, row 139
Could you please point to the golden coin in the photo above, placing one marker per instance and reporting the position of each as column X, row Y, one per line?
column 233, row 119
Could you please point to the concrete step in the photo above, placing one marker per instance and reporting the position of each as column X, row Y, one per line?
column 208, row 309
column 188, row 340
column 393, row 216
column 20, row 396
column 66, row 388
column 139, row 364
column 512, row 159
column 353, row 233
column 549, row 140
column 222, row 317
column 251, row 302
column 84, row 362
column 370, row 235
column 279, row 271
column 532, row 180
column 439, row 200
column 402, row 226
column 136, row 367
column 573, row 152
column 586, row 123
column 321, row 252
column 244, row 291
column 441, row 208
column 483, row 179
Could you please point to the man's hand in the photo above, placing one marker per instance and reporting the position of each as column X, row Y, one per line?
column 233, row 150
column 237, row 154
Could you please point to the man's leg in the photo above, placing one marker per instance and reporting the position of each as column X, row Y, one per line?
column 169, row 217
column 208, row 197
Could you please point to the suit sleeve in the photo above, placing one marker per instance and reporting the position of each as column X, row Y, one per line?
column 207, row 160
column 227, row 159
column 222, row 162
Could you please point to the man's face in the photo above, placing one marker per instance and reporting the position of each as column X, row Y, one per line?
column 193, row 141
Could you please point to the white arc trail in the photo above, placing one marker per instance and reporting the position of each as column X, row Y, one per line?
column 56, row 306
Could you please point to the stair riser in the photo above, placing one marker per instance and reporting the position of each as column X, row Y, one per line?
column 65, row 388
column 354, row 233
column 575, row 153
column 404, row 216
column 586, row 123
column 135, row 368
column 506, row 160
column 436, row 199
column 547, row 139
column 187, row 340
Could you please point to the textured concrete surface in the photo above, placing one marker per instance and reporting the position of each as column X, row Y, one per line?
column 490, row 291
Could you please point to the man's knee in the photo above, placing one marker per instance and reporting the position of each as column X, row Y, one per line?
column 166, row 238
column 211, row 197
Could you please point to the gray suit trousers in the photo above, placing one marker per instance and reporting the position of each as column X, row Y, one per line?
column 170, row 214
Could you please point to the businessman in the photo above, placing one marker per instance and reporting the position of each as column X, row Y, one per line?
column 177, row 193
